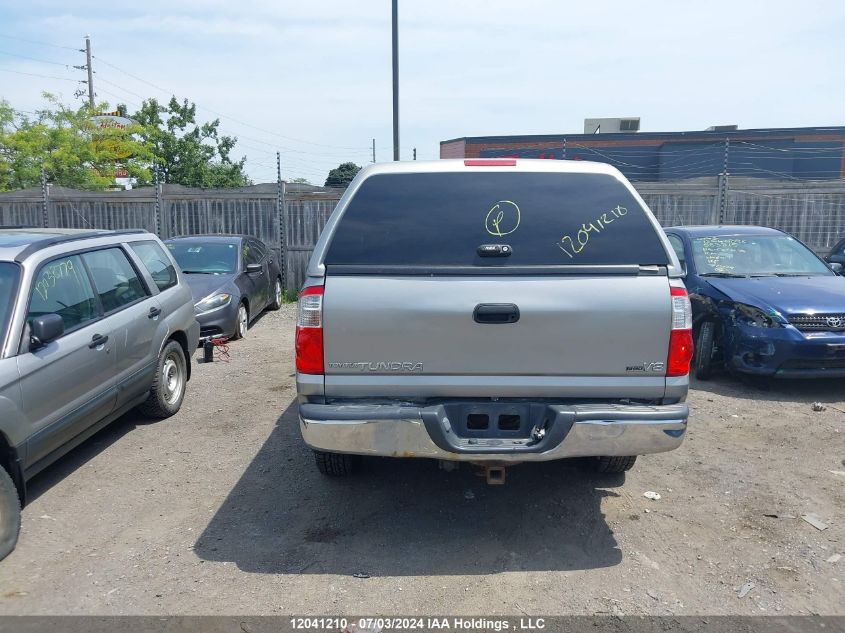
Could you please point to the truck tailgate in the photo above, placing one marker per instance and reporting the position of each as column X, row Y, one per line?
column 580, row 336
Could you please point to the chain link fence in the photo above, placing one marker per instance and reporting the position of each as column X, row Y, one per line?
column 813, row 211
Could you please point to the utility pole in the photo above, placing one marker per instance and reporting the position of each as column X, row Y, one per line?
column 395, row 80
column 90, row 71
column 415, row 153
column 374, row 150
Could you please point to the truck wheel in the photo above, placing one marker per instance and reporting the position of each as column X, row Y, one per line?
column 168, row 388
column 334, row 464
column 10, row 514
column 704, row 350
column 614, row 464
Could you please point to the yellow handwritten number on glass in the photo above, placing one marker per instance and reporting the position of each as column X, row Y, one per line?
column 503, row 218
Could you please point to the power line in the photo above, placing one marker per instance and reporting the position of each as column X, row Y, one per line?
column 23, row 39
column 221, row 114
column 300, row 165
column 118, row 97
column 313, row 169
column 20, row 72
column 126, row 90
column 35, row 59
column 240, row 137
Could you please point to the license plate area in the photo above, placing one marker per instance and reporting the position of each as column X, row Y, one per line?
column 492, row 420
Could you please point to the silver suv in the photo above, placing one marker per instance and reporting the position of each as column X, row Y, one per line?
column 492, row 311
column 92, row 323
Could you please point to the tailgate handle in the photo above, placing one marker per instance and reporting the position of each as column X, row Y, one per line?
column 496, row 313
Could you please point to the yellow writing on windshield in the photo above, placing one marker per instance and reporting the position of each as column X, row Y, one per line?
column 572, row 248
column 503, row 218
column 721, row 253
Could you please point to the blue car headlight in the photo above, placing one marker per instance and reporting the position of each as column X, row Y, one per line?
column 753, row 316
column 212, row 302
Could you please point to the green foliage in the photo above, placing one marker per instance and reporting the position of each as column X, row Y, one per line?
column 73, row 149
column 301, row 181
column 188, row 153
column 342, row 175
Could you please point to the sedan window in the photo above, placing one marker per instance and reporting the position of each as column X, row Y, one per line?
column 678, row 247
column 211, row 258
column 251, row 254
column 743, row 255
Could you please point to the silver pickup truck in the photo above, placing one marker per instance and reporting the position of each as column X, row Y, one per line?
column 493, row 311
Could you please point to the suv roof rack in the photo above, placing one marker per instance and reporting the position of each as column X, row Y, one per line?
column 70, row 237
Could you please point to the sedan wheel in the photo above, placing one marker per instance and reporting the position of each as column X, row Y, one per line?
column 276, row 302
column 242, row 322
column 703, row 354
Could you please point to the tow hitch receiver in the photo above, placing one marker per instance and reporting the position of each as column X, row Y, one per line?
column 495, row 475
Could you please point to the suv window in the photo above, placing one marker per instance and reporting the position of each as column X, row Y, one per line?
column 9, row 275
column 157, row 263
column 546, row 219
column 115, row 279
column 62, row 287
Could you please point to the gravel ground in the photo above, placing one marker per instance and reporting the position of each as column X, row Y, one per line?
column 220, row 510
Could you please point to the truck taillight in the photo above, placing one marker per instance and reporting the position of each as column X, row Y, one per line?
column 680, row 338
column 309, row 331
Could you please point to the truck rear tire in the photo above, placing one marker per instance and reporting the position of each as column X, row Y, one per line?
column 10, row 514
column 334, row 464
column 614, row 464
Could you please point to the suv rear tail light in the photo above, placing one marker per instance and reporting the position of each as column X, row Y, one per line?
column 309, row 331
column 680, row 339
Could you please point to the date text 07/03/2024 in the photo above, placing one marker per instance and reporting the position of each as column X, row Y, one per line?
column 385, row 624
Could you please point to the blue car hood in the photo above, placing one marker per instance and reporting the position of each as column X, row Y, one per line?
column 203, row 285
column 787, row 295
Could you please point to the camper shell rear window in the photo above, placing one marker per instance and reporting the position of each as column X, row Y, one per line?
column 516, row 219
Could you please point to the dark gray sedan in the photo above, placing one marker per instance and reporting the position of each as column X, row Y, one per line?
column 233, row 279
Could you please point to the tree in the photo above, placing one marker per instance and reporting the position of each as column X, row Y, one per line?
column 188, row 153
column 342, row 175
column 301, row 181
column 73, row 149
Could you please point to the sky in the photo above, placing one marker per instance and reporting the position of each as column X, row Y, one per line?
column 312, row 80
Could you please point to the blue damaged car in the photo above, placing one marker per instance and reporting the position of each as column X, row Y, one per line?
column 763, row 303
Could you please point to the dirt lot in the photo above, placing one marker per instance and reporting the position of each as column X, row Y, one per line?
column 221, row 511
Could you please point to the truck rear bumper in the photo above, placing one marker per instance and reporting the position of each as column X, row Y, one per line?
column 573, row 431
